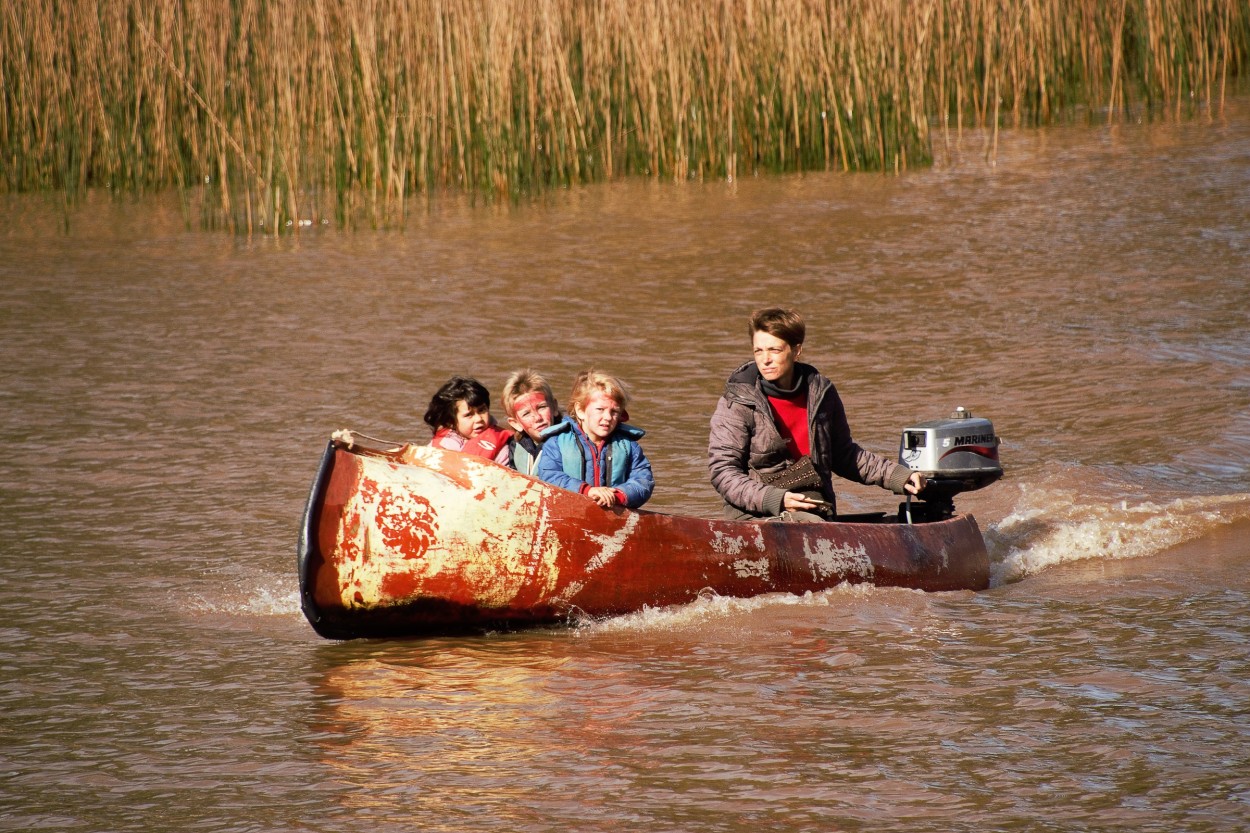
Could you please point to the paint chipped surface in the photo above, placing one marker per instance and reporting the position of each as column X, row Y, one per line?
column 729, row 544
column 610, row 546
column 426, row 456
column 745, row 568
column 406, row 522
column 830, row 560
column 451, row 520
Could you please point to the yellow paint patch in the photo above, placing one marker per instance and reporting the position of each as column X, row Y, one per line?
column 478, row 544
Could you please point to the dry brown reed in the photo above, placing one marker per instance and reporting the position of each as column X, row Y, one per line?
column 277, row 112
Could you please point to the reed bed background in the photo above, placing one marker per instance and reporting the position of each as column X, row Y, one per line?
column 275, row 114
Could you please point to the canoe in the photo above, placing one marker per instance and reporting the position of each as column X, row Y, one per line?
column 414, row 540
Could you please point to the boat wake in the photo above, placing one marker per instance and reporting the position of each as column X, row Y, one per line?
column 261, row 594
column 713, row 608
column 1048, row 528
column 272, row 601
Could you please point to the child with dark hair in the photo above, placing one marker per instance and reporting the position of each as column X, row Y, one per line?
column 459, row 414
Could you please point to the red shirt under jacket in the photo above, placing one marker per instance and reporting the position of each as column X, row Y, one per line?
column 791, row 415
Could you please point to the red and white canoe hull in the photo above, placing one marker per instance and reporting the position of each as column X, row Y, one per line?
column 420, row 541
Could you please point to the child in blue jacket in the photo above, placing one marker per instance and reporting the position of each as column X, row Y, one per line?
column 595, row 453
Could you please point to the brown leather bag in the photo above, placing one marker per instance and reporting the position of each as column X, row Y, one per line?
column 799, row 476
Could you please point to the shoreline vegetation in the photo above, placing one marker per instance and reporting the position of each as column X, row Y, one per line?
column 268, row 116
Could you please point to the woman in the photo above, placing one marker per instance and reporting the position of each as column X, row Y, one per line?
column 776, row 411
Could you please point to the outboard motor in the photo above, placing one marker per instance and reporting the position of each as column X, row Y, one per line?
column 959, row 454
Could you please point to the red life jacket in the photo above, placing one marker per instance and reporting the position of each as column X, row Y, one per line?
column 486, row 444
column 489, row 443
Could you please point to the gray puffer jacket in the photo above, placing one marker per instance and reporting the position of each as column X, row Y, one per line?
column 745, row 442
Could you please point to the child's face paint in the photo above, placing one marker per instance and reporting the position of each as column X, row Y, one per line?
column 532, row 413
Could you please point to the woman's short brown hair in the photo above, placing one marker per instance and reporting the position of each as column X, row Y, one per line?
column 785, row 324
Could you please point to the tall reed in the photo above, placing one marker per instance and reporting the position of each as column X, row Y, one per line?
column 276, row 113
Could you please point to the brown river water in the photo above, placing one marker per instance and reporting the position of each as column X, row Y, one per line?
column 167, row 394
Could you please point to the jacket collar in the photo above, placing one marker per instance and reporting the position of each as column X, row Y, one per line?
column 745, row 384
column 629, row 432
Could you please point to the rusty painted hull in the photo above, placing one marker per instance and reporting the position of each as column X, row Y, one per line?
column 417, row 540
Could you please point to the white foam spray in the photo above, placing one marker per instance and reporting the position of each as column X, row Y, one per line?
column 1048, row 528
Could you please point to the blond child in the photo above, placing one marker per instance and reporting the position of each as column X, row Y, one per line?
column 531, row 408
column 596, row 453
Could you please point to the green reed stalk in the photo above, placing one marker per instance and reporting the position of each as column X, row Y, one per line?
column 274, row 113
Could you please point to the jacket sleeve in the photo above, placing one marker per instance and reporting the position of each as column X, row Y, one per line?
column 446, row 440
column 550, row 468
column 728, row 461
column 854, row 462
column 641, row 482
column 504, row 457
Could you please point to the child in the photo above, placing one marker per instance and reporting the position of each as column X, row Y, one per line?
column 459, row 413
column 596, row 454
column 531, row 408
